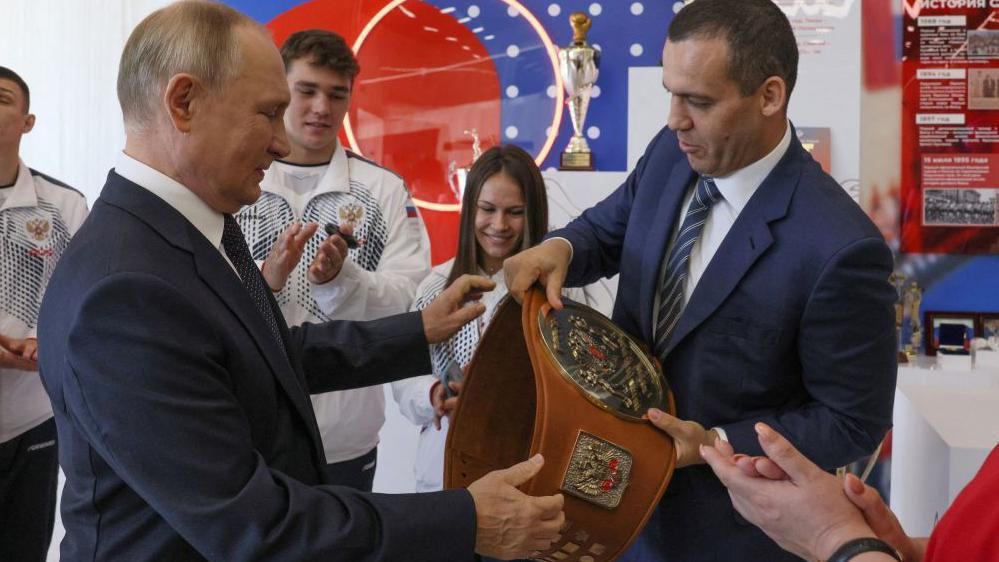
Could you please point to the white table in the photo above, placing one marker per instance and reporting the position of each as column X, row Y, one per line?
column 946, row 423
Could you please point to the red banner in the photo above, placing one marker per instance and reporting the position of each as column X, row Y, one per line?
column 950, row 128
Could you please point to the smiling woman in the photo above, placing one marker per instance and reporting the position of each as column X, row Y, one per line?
column 504, row 211
column 499, row 221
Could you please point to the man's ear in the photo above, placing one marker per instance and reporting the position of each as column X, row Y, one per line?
column 178, row 97
column 773, row 96
column 29, row 123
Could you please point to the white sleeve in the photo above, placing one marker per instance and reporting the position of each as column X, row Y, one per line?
column 413, row 394
column 358, row 293
column 597, row 295
column 413, row 397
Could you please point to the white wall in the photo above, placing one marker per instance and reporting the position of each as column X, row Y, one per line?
column 67, row 51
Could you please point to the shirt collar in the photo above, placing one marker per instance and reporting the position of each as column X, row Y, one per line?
column 336, row 177
column 22, row 193
column 739, row 186
column 207, row 220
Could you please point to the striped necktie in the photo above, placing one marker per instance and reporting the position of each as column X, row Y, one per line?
column 239, row 253
column 677, row 266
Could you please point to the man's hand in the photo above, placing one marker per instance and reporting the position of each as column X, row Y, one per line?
column 286, row 253
column 806, row 513
column 509, row 523
column 21, row 354
column 546, row 263
column 881, row 519
column 330, row 257
column 687, row 436
column 455, row 307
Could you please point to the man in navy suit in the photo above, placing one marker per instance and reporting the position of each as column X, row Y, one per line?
column 180, row 395
column 755, row 279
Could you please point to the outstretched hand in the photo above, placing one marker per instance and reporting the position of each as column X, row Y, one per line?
column 687, row 436
column 547, row 263
column 509, row 523
column 454, row 307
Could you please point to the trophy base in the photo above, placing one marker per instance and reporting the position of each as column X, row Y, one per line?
column 576, row 161
column 902, row 357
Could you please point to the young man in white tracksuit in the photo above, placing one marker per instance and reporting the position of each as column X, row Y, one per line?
column 38, row 216
column 322, row 183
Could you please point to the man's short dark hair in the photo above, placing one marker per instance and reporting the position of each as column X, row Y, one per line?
column 322, row 48
column 8, row 74
column 760, row 40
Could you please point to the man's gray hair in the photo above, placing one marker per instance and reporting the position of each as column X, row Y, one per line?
column 195, row 37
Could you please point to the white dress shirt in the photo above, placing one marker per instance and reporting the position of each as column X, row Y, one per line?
column 207, row 220
column 737, row 189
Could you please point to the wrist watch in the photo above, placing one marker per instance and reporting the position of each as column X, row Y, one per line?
column 854, row 547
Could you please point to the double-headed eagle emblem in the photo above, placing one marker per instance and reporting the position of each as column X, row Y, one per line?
column 38, row 229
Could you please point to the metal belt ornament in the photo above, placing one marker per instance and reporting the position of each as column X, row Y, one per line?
column 601, row 361
column 611, row 371
column 598, row 471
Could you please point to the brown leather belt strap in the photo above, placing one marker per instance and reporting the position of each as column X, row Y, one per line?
column 519, row 399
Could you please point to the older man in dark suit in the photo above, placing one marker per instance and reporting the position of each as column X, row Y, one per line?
column 179, row 393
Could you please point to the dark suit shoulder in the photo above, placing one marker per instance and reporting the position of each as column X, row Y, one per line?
column 828, row 208
column 113, row 240
column 656, row 166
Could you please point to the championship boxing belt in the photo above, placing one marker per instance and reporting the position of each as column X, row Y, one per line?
column 573, row 386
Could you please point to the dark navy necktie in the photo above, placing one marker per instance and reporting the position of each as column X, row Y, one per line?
column 239, row 253
column 678, row 265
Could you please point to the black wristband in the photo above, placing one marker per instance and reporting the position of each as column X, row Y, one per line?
column 852, row 548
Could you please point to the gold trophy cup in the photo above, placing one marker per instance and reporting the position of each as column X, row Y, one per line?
column 579, row 65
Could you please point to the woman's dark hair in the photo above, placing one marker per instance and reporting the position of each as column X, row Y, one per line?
column 518, row 166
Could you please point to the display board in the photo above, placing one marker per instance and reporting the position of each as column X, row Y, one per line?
column 950, row 128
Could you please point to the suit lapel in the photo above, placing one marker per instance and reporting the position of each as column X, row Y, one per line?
column 656, row 242
column 224, row 282
column 745, row 242
column 220, row 278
